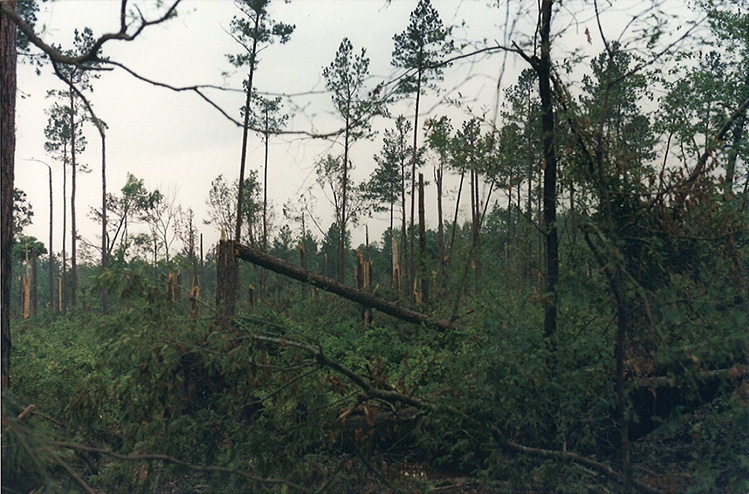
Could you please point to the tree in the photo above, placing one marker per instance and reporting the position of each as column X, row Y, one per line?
column 269, row 120
column 420, row 50
column 222, row 200
column 77, row 79
column 345, row 78
column 133, row 205
column 387, row 183
column 439, row 140
column 7, row 157
column 251, row 32
column 10, row 21
column 64, row 140
column 329, row 171
column 700, row 98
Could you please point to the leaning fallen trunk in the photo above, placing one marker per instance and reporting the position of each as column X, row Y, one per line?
column 285, row 268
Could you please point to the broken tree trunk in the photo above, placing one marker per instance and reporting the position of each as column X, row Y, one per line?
column 226, row 279
column 285, row 268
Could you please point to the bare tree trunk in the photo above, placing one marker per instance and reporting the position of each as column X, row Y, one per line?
column 412, row 261
column 738, row 131
column 403, row 255
column 423, row 272
column 104, row 301
column 50, row 253
column 7, row 156
column 455, row 217
column 34, row 281
column 293, row 271
column 344, row 186
column 64, row 268
column 265, row 208
column 543, row 68
column 245, row 135
column 440, row 228
column 73, row 232
column 226, row 280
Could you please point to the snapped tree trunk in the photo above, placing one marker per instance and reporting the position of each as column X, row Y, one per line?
column 226, row 280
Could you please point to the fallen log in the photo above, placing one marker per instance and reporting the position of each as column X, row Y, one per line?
column 298, row 273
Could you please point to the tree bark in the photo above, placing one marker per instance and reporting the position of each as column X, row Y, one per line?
column 73, row 233
column 226, row 279
column 423, row 272
column 51, row 252
column 7, row 156
column 34, row 282
column 62, row 295
column 543, row 68
column 245, row 133
column 285, row 268
column 104, row 300
column 344, row 187
column 412, row 259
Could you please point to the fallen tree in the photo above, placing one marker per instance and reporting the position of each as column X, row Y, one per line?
column 298, row 273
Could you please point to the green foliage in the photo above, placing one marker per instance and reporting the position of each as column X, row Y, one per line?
column 421, row 48
column 22, row 212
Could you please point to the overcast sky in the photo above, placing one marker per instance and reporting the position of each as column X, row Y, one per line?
column 178, row 143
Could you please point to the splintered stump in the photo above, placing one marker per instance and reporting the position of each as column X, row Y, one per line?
column 226, row 279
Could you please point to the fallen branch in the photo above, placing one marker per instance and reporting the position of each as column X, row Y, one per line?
column 576, row 458
column 734, row 372
column 293, row 271
column 394, row 396
column 169, row 459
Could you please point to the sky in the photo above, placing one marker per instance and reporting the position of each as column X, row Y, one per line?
column 178, row 143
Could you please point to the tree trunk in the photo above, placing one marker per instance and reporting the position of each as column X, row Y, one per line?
column 7, row 157
column 245, row 135
column 412, row 261
column 455, row 217
column 265, row 207
column 104, row 301
column 423, row 272
column 543, row 68
column 403, row 255
column 226, row 280
column 51, row 254
column 738, row 131
column 344, row 187
column 285, row 268
column 73, row 232
column 34, row 281
column 64, row 268
column 440, row 228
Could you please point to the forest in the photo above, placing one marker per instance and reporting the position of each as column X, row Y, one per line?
column 558, row 300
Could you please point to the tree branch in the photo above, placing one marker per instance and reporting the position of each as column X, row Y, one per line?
column 169, row 459
column 92, row 55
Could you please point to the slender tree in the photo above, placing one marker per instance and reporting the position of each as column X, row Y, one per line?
column 420, row 50
column 269, row 120
column 387, row 183
column 7, row 161
column 345, row 78
column 251, row 31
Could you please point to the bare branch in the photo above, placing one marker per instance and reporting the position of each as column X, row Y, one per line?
column 170, row 459
column 92, row 55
